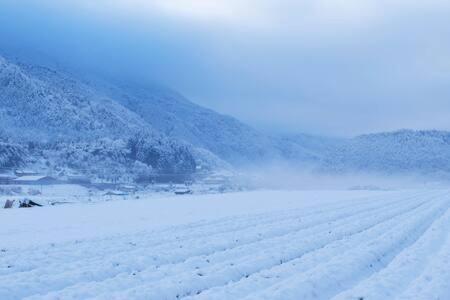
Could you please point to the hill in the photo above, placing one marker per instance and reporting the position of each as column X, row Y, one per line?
column 399, row 152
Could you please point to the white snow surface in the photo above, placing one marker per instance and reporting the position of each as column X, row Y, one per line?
column 249, row 245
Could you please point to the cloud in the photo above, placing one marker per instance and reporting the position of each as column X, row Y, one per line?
column 256, row 15
column 339, row 67
column 297, row 15
column 209, row 11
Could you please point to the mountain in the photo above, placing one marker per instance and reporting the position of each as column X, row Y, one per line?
column 399, row 152
column 44, row 104
column 52, row 121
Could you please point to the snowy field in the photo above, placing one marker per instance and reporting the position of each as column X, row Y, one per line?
column 252, row 245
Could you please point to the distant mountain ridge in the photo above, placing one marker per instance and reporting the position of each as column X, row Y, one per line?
column 399, row 152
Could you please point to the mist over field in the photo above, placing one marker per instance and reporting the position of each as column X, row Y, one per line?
column 280, row 177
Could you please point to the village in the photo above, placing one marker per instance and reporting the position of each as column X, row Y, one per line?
column 28, row 188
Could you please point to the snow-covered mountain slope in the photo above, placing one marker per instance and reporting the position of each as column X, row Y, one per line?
column 177, row 117
column 405, row 151
column 38, row 103
column 49, row 115
column 35, row 105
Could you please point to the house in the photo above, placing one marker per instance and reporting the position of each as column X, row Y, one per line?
column 128, row 188
column 35, row 180
column 217, row 179
column 78, row 179
column 7, row 179
column 20, row 173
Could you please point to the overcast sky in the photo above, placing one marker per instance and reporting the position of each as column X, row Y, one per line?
column 334, row 67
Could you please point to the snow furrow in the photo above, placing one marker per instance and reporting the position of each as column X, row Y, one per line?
column 434, row 281
column 262, row 255
column 343, row 271
column 268, row 277
column 32, row 258
column 390, row 281
column 141, row 258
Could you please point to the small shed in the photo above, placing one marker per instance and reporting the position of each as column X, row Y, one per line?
column 183, row 191
column 116, row 193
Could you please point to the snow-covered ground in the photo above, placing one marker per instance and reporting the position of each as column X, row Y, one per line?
column 250, row 245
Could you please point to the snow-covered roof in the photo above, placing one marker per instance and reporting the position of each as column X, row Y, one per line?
column 128, row 187
column 25, row 172
column 77, row 176
column 32, row 178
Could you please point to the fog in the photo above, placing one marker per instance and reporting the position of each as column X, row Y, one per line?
column 282, row 176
